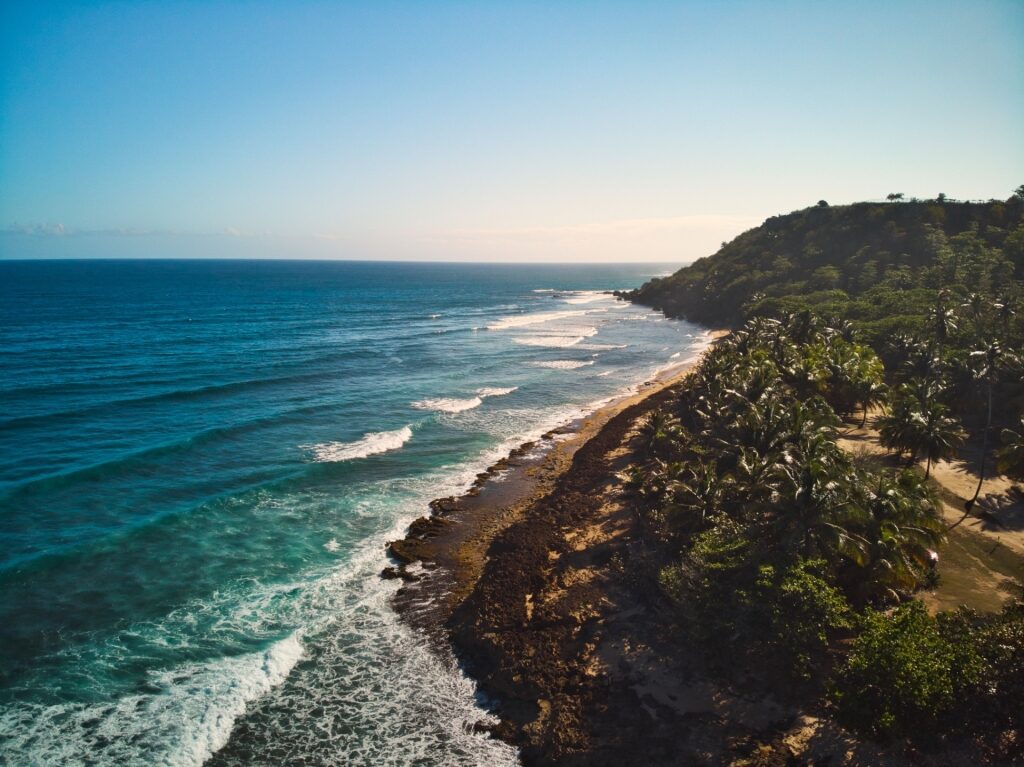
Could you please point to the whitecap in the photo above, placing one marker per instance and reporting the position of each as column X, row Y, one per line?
column 495, row 391
column 587, row 297
column 190, row 720
column 448, row 404
column 561, row 364
column 332, row 545
column 520, row 320
column 372, row 443
column 602, row 347
column 455, row 405
column 554, row 342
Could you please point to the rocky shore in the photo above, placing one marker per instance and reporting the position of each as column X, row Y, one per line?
column 529, row 581
column 538, row 582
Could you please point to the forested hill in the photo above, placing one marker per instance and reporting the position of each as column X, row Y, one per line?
column 879, row 265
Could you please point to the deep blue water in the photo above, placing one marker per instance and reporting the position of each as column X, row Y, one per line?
column 200, row 463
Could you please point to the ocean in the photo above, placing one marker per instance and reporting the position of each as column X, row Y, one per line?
column 201, row 463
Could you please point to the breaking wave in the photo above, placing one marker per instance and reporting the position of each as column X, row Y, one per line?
column 561, row 364
column 372, row 443
column 521, row 320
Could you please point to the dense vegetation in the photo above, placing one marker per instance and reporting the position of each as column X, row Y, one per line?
column 935, row 287
column 778, row 545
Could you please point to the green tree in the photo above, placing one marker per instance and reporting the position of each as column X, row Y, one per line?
column 920, row 425
column 901, row 676
column 989, row 362
column 1010, row 457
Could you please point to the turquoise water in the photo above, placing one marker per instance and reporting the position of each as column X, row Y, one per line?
column 200, row 463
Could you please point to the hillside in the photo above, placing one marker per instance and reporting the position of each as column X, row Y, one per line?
column 794, row 483
column 877, row 264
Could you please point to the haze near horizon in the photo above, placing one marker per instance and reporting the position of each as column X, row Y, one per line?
column 485, row 131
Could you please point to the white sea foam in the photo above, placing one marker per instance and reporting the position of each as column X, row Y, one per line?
column 454, row 405
column 521, row 320
column 587, row 297
column 561, row 364
column 332, row 545
column 371, row 443
column 188, row 721
column 495, row 391
column 575, row 330
column 554, row 342
column 448, row 404
column 602, row 347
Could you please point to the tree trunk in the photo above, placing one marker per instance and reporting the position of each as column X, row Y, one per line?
column 928, row 467
column 864, row 420
column 984, row 451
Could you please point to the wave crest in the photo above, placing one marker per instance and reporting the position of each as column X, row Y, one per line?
column 519, row 320
column 455, row 405
column 372, row 443
column 561, row 364
column 447, row 404
column 554, row 342
column 495, row 391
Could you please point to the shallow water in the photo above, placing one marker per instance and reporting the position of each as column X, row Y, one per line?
column 200, row 463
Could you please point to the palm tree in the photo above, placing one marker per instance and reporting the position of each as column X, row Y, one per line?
column 976, row 307
column 900, row 347
column 803, row 326
column 811, row 512
column 1006, row 309
column 696, row 495
column 1010, row 457
column 989, row 361
column 938, row 435
column 920, row 425
column 660, row 434
column 870, row 392
column 896, row 428
column 941, row 318
column 923, row 362
column 904, row 528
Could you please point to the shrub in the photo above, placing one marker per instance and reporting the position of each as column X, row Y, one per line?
column 902, row 675
column 801, row 609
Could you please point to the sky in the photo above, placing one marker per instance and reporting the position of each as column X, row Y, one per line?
column 516, row 131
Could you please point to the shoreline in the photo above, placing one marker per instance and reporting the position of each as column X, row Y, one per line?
column 447, row 560
column 441, row 555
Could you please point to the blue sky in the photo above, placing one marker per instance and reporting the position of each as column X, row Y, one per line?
column 511, row 131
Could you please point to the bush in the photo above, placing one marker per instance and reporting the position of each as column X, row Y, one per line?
column 902, row 675
column 801, row 610
column 989, row 704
